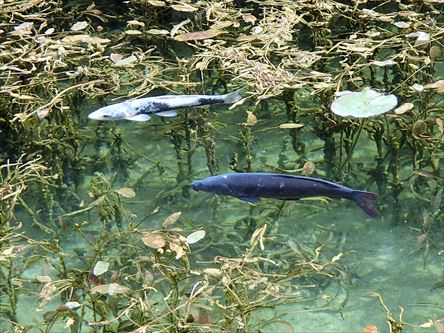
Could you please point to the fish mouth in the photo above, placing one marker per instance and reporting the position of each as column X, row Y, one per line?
column 196, row 185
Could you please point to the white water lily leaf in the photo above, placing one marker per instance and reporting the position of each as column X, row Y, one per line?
column 79, row 26
column 196, row 236
column 363, row 104
column 100, row 268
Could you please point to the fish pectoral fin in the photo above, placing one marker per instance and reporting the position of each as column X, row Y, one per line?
column 249, row 199
column 166, row 113
column 140, row 117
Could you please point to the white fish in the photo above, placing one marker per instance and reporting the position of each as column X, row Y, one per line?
column 141, row 109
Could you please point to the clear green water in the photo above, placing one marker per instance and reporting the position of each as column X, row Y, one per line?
column 380, row 255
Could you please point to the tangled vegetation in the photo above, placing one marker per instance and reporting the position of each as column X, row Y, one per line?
column 61, row 58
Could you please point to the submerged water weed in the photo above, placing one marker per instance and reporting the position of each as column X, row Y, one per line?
column 61, row 60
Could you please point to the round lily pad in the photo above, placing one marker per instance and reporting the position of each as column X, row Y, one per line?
column 363, row 104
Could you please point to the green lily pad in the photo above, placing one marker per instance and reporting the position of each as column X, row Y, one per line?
column 363, row 104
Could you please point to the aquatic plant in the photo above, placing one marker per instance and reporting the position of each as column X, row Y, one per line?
column 69, row 190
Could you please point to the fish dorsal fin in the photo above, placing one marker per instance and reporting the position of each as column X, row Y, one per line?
column 249, row 199
column 166, row 113
column 140, row 117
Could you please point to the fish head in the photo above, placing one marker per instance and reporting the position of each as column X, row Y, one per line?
column 215, row 185
column 117, row 111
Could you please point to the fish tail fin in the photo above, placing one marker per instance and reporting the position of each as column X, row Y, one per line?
column 233, row 97
column 365, row 201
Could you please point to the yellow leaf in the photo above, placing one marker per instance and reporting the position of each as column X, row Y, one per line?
column 308, row 168
column 251, row 119
column 126, row 192
column 184, row 8
column 156, row 3
column 199, row 35
column 291, row 125
column 337, row 257
column 126, row 62
column 171, row 219
column 133, row 32
column 110, row 289
column 404, row 108
column 79, row 26
column 154, row 240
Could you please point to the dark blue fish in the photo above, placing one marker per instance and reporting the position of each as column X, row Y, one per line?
column 251, row 187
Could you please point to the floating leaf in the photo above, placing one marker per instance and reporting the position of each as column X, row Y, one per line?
column 157, row 32
column 337, row 257
column 404, row 108
column 115, row 57
column 248, row 18
column 126, row 192
column 291, row 125
column 402, row 24
column 43, row 278
column 212, row 271
column 126, row 62
column 199, row 35
column 419, row 129
column 184, row 8
column 79, row 26
column 110, row 289
column 422, row 37
column 417, row 87
column 251, row 119
column 100, row 268
column 440, row 124
column 363, row 104
column 388, row 62
column 195, row 236
column 134, row 22
column 308, row 168
column 435, row 52
column 438, row 86
column 370, row 329
column 178, row 248
column 171, row 219
column 23, row 29
column 133, row 32
column 69, row 306
column 157, row 3
column 427, row 324
column 78, row 39
column 154, row 240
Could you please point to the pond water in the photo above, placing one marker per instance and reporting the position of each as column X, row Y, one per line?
column 99, row 230
column 377, row 255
